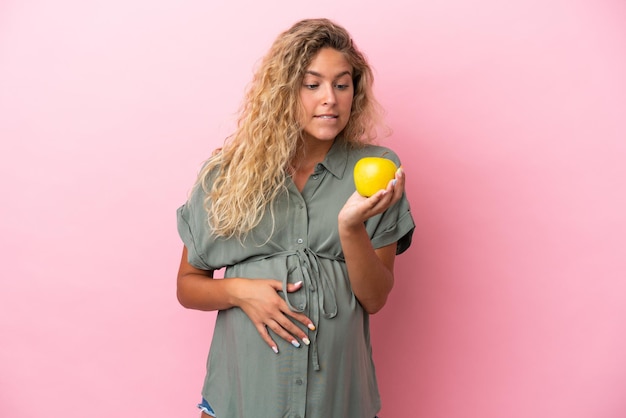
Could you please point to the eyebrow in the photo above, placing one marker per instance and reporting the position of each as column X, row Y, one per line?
column 315, row 73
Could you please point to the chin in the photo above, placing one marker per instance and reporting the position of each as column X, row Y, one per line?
column 322, row 136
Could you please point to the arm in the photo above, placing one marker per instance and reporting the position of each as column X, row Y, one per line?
column 258, row 298
column 196, row 289
column 370, row 271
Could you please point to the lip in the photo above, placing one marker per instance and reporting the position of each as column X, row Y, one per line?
column 327, row 116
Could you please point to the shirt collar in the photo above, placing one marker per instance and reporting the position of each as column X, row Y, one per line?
column 336, row 159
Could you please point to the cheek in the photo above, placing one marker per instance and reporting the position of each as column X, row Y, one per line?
column 306, row 103
column 347, row 103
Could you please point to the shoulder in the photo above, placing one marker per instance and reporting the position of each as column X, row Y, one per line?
column 208, row 174
column 356, row 154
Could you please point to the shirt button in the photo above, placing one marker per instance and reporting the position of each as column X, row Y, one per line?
column 315, row 177
column 298, row 381
column 300, row 240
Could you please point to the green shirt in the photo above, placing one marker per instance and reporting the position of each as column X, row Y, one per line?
column 334, row 376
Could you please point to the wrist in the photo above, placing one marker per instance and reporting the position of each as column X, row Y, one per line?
column 233, row 289
column 348, row 230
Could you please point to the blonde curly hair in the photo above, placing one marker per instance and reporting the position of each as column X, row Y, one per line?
column 242, row 180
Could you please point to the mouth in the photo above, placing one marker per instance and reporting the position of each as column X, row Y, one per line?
column 327, row 116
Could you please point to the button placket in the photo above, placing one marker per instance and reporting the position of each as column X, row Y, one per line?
column 299, row 365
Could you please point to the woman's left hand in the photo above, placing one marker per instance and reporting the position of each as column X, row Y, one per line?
column 358, row 209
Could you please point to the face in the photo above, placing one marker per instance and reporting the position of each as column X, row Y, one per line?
column 326, row 96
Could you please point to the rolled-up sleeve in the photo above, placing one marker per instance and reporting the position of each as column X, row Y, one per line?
column 394, row 225
column 188, row 221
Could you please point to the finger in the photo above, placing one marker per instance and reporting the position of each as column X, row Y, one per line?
column 277, row 285
column 293, row 287
column 380, row 201
column 267, row 338
column 401, row 178
column 400, row 184
column 293, row 330
column 381, row 197
column 280, row 328
column 303, row 319
column 395, row 190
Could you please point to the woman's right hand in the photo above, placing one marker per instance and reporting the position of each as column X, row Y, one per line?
column 260, row 300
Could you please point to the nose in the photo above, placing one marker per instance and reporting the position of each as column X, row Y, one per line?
column 329, row 95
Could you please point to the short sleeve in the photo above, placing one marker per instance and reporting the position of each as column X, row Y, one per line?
column 394, row 225
column 191, row 222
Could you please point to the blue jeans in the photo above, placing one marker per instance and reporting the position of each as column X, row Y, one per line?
column 206, row 408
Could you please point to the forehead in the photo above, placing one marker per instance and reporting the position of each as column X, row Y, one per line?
column 329, row 62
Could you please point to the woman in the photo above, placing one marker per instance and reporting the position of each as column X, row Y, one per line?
column 307, row 258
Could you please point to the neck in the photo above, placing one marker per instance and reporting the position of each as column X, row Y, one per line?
column 309, row 154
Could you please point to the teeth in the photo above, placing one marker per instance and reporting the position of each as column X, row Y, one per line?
column 327, row 117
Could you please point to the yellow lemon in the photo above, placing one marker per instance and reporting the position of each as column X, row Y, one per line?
column 372, row 174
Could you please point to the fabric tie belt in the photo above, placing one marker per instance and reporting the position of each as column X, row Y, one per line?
column 318, row 281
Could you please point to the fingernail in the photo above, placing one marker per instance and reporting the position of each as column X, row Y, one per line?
column 400, row 170
column 295, row 343
column 298, row 283
column 306, row 341
column 275, row 349
column 394, row 181
column 311, row 327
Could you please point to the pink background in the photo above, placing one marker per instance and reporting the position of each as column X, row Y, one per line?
column 510, row 118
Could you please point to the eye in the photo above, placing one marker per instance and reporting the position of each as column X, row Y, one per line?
column 342, row 86
column 311, row 86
